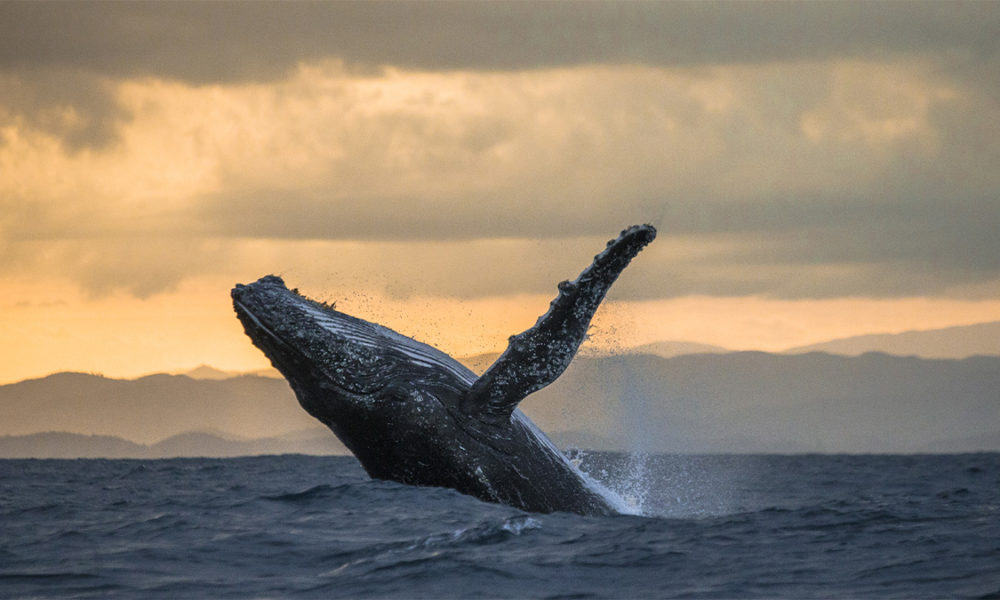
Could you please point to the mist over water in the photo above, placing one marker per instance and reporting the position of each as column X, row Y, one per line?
column 635, row 483
column 650, row 484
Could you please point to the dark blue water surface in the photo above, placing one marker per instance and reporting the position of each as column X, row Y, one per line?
column 301, row 526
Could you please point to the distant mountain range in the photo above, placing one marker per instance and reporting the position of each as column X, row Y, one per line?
column 665, row 349
column 209, row 372
column 982, row 339
column 190, row 444
column 670, row 349
column 759, row 402
column 319, row 441
column 152, row 408
column 735, row 402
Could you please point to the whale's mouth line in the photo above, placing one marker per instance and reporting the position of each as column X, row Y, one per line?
column 243, row 311
column 299, row 358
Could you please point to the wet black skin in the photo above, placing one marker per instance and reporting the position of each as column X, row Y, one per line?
column 426, row 419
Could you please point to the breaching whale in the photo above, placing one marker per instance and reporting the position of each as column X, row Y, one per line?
column 412, row 414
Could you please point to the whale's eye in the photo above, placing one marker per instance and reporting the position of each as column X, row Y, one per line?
column 399, row 391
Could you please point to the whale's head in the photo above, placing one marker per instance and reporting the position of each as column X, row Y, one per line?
column 358, row 378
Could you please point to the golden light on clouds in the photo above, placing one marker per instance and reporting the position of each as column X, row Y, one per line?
column 880, row 104
column 801, row 192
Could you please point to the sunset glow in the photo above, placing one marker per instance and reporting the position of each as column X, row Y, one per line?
column 801, row 194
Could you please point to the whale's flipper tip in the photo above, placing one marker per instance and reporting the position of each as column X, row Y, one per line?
column 537, row 356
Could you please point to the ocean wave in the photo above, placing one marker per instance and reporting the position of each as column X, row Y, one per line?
column 307, row 495
column 749, row 527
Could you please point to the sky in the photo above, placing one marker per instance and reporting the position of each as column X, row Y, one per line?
column 815, row 170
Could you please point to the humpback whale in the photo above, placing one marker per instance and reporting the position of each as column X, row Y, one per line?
column 412, row 414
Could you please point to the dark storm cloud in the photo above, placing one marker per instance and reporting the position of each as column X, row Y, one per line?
column 80, row 45
column 76, row 107
column 767, row 208
column 219, row 42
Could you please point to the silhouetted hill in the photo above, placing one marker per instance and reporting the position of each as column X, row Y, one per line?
column 670, row 349
column 757, row 402
column 982, row 339
column 737, row 402
column 150, row 408
column 665, row 349
column 59, row 444
column 207, row 372
column 190, row 444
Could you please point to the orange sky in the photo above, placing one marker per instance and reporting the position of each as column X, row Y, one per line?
column 124, row 336
column 806, row 186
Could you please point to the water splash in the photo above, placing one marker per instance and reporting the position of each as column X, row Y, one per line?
column 626, row 494
column 677, row 486
column 634, row 486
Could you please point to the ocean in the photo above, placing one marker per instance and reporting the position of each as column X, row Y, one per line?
column 727, row 526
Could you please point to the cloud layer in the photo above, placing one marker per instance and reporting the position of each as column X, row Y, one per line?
column 218, row 43
column 478, row 149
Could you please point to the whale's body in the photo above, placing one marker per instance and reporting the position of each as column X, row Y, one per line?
column 411, row 413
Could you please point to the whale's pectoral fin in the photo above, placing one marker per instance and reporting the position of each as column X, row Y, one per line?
column 537, row 356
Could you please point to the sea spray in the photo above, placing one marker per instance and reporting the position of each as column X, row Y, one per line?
column 648, row 483
column 634, row 482
column 634, row 487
